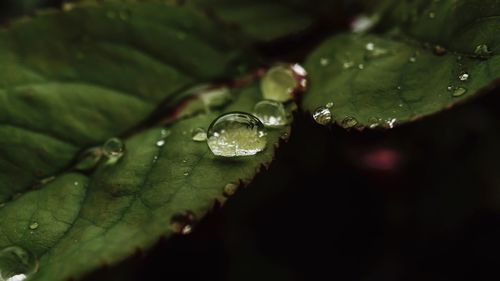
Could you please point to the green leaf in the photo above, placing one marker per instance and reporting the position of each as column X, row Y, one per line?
column 259, row 19
column 85, row 222
column 436, row 53
column 70, row 80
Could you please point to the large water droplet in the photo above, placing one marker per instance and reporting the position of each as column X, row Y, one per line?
column 322, row 115
column 182, row 223
column 199, row 134
column 271, row 113
column 280, row 82
column 16, row 264
column 464, row 76
column 236, row 134
column 113, row 149
column 349, row 122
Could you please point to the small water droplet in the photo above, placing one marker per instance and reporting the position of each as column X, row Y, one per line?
column 199, row 134
column 280, row 82
column 230, row 189
column 17, row 264
column 432, row 15
column 34, row 226
column 324, row 61
column 155, row 159
column 182, row 223
column 89, row 159
column 322, row 115
column 439, row 50
column 348, row 64
column 373, row 52
column 412, row 59
column 449, row 88
column 464, row 76
column 271, row 113
column 482, row 51
column 349, row 122
column 186, row 174
column 363, row 23
column 391, row 122
column 459, row 91
column 164, row 133
column 160, row 143
column 329, row 105
column 399, row 88
column 47, row 180
column 374, row 122
column 361, row 66
column 2, row 205
column 236, row 134
column 76, row 183
column 113, row 149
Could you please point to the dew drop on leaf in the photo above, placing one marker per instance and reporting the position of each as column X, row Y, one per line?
column 17, row 264
column 280, row 82
column 349, row 122
column 199, row 135
column 324, row 61
column 459, row 91
column 348, row 64
column 230, row 189
column 271, row 113
column 439, row 50
column 34, row 226
column 322, row 115
column 160, row 143
column 182, row 223
column 113, row 149
column 482, row 50
column 236, row 134
column 464, row 76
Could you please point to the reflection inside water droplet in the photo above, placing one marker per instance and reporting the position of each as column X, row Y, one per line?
column 349, row 122
column 463, row 76
column 17, row 263
column 113, row 149
column 322, row 115
column 236, row 134
column 271, row 113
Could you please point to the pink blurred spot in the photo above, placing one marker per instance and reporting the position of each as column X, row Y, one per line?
column 383, row 159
